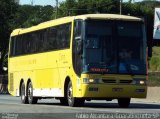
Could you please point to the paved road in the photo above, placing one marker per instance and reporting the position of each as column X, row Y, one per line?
column 11, row 108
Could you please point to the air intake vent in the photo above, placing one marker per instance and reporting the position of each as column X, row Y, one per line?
column 125, row 81
column 109, row 81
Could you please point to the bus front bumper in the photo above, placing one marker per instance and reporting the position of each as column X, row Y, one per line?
column 113, row 91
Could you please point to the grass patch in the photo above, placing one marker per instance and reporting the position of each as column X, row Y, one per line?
column 154, row 63
column 154, row 68
column 154, row 79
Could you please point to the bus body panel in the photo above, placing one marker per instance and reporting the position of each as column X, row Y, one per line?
column 47, row 72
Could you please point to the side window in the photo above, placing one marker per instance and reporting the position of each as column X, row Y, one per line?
column 33, row 42
column 59, row 37
column 67, row 35
column 63, row 36
column 41, row 43
column 27, row 38
column 77, row 47
column 29, row 44
column 12, row 46
column 24, row 44
column 18, row 47
column 78, row 28
column 45, row 42
column 52, row 38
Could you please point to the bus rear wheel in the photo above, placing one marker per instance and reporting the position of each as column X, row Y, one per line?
column 124, row 102
column 24, row 98
column 73, row 101
column 31, row 99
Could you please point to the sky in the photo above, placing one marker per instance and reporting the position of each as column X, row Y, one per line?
column 40, row 2
column 49, row 2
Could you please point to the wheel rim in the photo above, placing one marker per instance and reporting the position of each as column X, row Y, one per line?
column 30, row 92
column 23, row 92
column 70, row 94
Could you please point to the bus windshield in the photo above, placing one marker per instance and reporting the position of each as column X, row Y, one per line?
column 115, row 47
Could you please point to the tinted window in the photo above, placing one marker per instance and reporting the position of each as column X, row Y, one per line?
column 12, row 46
column 127, row 29
column 52, row 38
column 18, row 45
column 77, row 45
column 63, row 36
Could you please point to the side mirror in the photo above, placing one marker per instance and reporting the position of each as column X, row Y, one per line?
column 77, row 38
column 79, row 44
column 5, row 68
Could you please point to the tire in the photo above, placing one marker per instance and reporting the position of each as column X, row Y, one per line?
column 31, row 99
column 24, row 98
column 72, row 101
column 63, row 101
column 124, row 102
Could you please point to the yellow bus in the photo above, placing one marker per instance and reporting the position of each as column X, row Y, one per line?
column 78, row 58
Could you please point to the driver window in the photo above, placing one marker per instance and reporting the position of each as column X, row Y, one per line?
column 78, row 28
column 77, row 47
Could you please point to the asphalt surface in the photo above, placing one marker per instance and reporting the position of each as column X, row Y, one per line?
column 11, row 108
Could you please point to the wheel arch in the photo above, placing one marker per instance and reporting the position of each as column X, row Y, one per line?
column 29, row 80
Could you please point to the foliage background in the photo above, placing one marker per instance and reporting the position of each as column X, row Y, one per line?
column 14, row 16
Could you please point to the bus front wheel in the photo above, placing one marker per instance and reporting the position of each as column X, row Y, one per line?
column 24, row 98
column 73, row 101
column 124, row 102
column 31, row 99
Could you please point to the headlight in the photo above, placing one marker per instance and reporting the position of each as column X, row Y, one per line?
column 139, row 82
column 142, row 82
column 87, row 80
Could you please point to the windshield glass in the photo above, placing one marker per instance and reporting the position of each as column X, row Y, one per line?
column 114, row 47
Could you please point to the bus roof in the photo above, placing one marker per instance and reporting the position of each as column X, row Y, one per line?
column 71, row 18
column 108, row 17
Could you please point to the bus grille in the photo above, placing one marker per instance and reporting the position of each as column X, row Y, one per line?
column 109, row 81
column 113, row 81
column 125, row 81
column 11, row 82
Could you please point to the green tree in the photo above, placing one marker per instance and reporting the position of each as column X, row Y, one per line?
column 7, row 11
column 28, row 15
column 21, row 16
column 78, row 7
column 16, row 16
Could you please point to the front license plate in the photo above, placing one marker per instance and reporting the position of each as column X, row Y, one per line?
column 117, row 89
